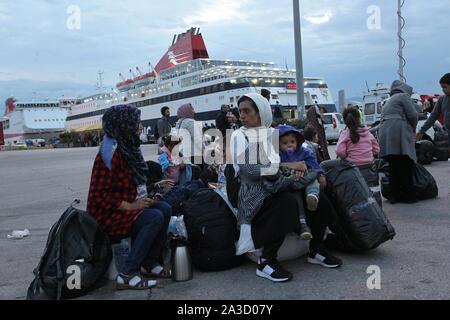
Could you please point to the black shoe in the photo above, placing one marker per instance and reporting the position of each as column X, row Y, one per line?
column 324, row 258
column 272, row 270
column 305, row 232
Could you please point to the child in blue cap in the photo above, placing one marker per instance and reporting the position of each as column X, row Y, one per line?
column 291, row 150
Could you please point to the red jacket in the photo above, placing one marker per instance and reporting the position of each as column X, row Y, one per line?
column 107, row 191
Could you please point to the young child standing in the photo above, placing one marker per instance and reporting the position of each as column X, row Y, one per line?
column 356, row 144
column 291, row 150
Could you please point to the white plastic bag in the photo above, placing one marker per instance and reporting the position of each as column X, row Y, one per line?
column 293, row 248
column 245, row 243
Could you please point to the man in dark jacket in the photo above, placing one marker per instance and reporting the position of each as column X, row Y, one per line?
column 442, row 108
column 163, row 125
column 222, row 123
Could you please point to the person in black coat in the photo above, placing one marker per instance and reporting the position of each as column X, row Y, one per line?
column 222, row 123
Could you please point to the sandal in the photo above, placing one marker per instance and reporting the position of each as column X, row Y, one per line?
column 166, row 273
column 144, row 283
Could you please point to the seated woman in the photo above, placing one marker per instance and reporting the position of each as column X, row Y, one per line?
column 270, row 215
column 118, row 199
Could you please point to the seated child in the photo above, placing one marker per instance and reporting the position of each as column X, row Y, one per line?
column 291, row 150
column 356, row 144
column 312, row 143
column 169, row 159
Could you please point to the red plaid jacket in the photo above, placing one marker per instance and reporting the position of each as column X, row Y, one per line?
column 107, row 191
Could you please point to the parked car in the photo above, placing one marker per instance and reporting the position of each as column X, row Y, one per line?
column 20, row 144
column 334, row 125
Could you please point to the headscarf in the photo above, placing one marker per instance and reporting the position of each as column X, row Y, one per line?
column 186, row 111
column 241, row 138
column 120, row 124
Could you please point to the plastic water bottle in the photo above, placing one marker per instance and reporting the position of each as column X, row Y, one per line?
column 222, row 181
column 121, row 252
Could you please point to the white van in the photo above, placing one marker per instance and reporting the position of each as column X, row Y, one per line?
column 334, row 125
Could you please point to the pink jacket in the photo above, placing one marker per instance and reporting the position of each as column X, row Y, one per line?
column 361, row 153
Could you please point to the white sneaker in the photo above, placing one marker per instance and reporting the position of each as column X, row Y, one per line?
column 312, row 201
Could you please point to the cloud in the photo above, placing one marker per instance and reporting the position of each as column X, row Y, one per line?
column 320, row 18
column 218, row 11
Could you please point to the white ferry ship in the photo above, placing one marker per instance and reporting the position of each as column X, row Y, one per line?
column 186, row 74
column 27, row 120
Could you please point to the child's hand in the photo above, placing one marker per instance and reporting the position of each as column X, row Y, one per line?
column 298, row 175
column 323, row 182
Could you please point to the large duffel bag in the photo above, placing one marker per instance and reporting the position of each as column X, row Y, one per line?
column 212, row 231
column 361, row 218
column 76, row 257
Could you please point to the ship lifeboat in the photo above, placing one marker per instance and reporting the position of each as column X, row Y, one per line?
column 144, row 79
column 125, row 84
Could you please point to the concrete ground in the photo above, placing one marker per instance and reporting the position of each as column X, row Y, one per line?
column 37, row 186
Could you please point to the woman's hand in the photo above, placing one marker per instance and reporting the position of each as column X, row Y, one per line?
column 139, row 204
column 165, row 184
column 296, row 166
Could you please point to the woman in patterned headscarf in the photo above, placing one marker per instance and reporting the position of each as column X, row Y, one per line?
column 119, row 202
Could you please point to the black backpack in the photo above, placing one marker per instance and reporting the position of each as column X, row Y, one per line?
column 212, row 231
column 75, row 242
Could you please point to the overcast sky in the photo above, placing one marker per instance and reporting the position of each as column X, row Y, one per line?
column 40, row 56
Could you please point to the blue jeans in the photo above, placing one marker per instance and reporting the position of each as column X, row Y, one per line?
column 149, row 236
column 313, row 188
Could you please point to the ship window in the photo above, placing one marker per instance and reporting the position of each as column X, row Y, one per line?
column 369, row 109
column 379, row 108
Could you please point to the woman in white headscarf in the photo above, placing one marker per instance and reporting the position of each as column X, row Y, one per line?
column 265, row 214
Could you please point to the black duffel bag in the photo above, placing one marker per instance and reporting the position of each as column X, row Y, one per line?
column 364, row 222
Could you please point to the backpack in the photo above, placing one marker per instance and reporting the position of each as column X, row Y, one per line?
column 75, row 243
column 212, row 231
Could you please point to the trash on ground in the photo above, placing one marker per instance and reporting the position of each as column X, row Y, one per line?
column 19, row 234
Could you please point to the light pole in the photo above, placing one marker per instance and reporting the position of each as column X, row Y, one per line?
column 401, row 41
column 299, row 60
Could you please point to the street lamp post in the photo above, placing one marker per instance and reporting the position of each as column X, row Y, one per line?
column 299, row 60
column 401, row 41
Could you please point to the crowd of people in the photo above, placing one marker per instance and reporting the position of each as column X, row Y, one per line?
column 281, row 192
